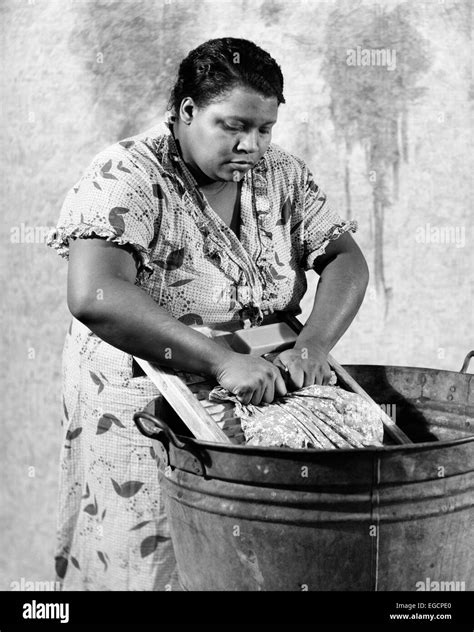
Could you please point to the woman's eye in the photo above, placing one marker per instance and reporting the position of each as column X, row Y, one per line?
column 232, row 129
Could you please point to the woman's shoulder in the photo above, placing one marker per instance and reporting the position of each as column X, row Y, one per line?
column 279, row 159
column 141, row 154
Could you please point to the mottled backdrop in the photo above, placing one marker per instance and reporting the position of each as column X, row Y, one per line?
column 378, row 103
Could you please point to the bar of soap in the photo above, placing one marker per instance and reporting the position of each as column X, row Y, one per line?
column 260, row 340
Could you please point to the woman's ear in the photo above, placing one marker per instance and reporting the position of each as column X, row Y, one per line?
column 187, row 110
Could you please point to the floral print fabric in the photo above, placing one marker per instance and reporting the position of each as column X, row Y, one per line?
column 112, row 529
column 321, row 417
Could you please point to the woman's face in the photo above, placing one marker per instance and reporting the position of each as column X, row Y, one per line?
column 227, row 135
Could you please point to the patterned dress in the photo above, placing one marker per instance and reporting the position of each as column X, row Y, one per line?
column 112, row 529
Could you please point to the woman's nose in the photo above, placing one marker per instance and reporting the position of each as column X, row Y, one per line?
column 249, row 142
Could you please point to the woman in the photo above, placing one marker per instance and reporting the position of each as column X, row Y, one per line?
column 205, row 223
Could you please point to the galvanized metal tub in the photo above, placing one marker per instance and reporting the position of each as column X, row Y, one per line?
column 390, row 518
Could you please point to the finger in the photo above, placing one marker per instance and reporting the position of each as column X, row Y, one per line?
column 319, row 378
column 296, row 378
column 269, row 393
column 257, row 396
column 244, row 395
column 325, row 372
column 280, row 386
column 322, row 377
column 282, row 370
column 309, row 377
column 279, row 363
column 326, row 376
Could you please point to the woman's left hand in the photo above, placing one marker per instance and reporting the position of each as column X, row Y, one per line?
column 304, row 367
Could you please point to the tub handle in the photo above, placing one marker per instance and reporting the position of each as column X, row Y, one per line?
column 466, row 362
column 151, row 426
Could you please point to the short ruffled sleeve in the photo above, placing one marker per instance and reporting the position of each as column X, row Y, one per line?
column 115, row 199
column 321, row 223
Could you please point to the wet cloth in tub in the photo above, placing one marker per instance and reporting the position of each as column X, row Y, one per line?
column 324, row 417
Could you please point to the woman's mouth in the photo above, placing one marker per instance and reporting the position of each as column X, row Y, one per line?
column 239, row 169
column 241, row 164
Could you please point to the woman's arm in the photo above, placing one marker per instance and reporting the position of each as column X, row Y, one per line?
column 343, row 281
column 344, row 276
column 102, row 294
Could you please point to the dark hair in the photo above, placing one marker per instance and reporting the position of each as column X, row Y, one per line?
column 218, row 65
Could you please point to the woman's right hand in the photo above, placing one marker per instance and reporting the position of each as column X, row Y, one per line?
column 252, row 379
